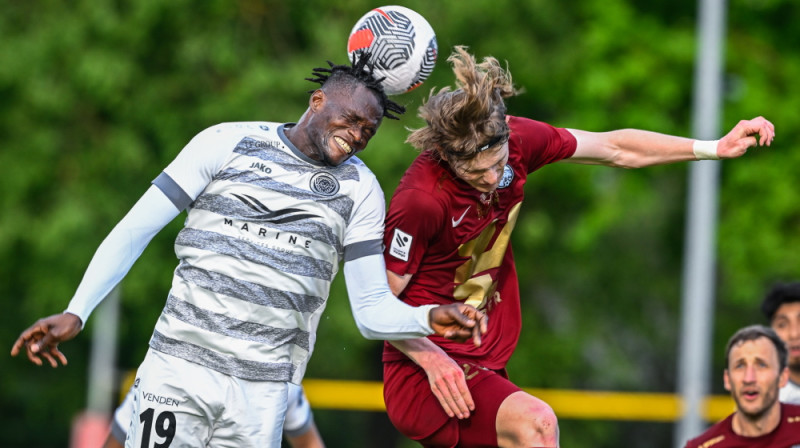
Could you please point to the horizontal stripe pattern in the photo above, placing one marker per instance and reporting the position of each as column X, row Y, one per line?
column 244, row 250
column 340, row 204
column 240, row 368
column 248, row 291
column 315, row 229
column 259, row 250
column 246, row 331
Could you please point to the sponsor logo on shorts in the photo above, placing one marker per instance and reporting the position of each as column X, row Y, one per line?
column 401, row 244
column 160, row 399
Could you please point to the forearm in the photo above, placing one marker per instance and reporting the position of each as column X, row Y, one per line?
column 631, row 148
column 378, row 313
column 420, row 350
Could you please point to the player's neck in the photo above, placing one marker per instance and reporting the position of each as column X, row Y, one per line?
column 765, row 424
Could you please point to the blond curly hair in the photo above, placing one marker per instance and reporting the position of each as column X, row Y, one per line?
column 460, row 123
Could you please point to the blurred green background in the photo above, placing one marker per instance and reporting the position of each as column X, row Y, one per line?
column 99, row 95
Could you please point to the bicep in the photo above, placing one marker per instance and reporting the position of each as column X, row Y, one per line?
column 592, row 148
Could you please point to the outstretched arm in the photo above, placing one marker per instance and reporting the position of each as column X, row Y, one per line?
column 112, row 260
column 633, row 148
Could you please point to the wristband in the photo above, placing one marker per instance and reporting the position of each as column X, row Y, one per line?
column 705, row 149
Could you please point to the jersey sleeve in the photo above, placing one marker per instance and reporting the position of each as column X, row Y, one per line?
column 120, row 249
column 541, row 143
column 197, row 163
column 414, row 218
column 364, row 233
column 377, row 312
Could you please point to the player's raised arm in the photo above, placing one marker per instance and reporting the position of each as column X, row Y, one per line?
column 635, row 148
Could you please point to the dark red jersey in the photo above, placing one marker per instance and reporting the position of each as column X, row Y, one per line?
column 721, row 435
column 456, row 242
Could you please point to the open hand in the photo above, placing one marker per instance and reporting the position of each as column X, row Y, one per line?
column 743, row 136
column 42, row 338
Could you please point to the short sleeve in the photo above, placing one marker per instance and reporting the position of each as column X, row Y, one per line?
column 413, row 220
column 201, row 158
column 541, row 143
column 364, row 233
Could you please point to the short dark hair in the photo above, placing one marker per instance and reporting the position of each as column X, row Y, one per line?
column 362, row 70
column 754, row 332
column 779, row 294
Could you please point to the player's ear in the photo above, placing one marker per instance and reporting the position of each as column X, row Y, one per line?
column 317, row 100
column 726, row 379
column 784, row 378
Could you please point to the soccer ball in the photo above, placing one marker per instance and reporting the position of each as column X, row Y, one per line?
column 402, row 43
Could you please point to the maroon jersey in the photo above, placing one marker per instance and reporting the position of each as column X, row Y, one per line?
column 721, row 435
column 456, row 245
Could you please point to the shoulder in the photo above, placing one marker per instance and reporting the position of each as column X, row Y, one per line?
column 538, row 142
column 528, row 125
column 357, row 164
column 713, row 435
column 424, row 186
column 791, row 410
column 426, row 173
column 234, row 132
column 354, row 169
column 528, row 131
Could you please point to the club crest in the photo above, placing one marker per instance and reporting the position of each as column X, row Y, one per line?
column 324, row 184
column 508, row 176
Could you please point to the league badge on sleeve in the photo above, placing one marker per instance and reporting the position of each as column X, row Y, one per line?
column 401, row 244
column 508, row 176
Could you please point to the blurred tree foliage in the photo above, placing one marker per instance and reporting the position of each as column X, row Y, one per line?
column 99, row 95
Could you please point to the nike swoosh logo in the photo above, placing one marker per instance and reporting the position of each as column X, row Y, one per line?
column 456, row 223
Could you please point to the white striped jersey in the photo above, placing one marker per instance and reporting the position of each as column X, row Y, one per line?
column 265, row 232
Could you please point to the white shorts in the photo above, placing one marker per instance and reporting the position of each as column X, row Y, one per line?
column 298, row 415
column 182, row 404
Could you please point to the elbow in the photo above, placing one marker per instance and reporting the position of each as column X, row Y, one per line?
column 368, row 332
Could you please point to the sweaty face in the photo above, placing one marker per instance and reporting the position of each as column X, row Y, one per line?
column 485, row 170
column 786, row 323
column 753, row 376
column 343, row 123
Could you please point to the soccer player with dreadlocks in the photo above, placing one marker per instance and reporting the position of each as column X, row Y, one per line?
column 272, row 210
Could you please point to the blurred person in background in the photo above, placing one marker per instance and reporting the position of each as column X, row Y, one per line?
column 781, row 306
column 755, row 369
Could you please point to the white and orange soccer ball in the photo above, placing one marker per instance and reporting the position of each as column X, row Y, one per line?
column 402, row 43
